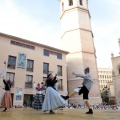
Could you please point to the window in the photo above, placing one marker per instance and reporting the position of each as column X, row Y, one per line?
column 60, row 86
column 11, row 62
column 81, row 2
column 10, row 76
column 45, row 68
column 44, row 79
column 46, row 52
column 30, row 64
column 22, row 44
column 28, row 82
column 59, row 70
column 43, row 84
column 59, row 56
column 17, row 43
column 70, row 2
column 63, row 6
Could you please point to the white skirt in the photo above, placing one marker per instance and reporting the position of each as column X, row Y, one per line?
column 53, row 100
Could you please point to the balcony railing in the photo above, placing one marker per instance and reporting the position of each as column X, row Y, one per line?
column 28, row 84
column 45, row 71
column 30, row 69
column 59, row 73
column 59, row 87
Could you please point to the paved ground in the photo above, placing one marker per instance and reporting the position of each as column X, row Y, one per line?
column 68, row 114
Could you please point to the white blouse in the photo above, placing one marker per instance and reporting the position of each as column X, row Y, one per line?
column 38, row 92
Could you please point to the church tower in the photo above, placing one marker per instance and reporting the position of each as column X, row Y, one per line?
column 77, row 38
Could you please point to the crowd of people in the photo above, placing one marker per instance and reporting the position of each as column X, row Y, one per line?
column 96, row 106
column 74, row 106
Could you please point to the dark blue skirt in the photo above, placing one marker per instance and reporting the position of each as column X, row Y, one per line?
column 38, row 101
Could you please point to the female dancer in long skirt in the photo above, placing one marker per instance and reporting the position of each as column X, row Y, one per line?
column 6, row 100
column 38, row 99
column 53, row 99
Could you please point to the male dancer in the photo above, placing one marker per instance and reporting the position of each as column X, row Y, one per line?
column 87, row 84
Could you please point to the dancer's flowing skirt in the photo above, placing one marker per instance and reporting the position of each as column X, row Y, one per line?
column 6, row 101
column 38, row 100
column 53, row 100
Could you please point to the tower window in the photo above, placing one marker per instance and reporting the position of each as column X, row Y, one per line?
column 70, row 2
column 63, row 6
column 81, row 2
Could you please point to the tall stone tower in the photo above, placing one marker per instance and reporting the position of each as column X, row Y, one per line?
column 77, row 38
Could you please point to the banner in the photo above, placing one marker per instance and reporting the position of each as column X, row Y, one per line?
column 21, row 60
column 18, row 93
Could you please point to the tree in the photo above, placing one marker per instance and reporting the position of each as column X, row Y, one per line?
column 105, row 96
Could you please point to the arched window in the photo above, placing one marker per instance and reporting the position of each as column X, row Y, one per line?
column 70, row 2
column 81, row 2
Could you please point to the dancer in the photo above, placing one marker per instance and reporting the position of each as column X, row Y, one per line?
column 87, row 84
column 38, row 99
column 53, row 99
column 54, row 80
column 6, row 100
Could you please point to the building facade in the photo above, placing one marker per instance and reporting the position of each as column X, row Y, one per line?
column 105, row 77
column 77, row 38
column 116, row 74
column 29, row 62
column 106, row 82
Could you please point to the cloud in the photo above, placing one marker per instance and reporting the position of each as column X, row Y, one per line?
column 106, row 30
column 14, row 22
column 116, row 2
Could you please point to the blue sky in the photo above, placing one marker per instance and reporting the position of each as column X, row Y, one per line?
column 39, row 21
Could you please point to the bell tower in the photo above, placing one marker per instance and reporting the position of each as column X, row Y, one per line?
column 77, row 38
